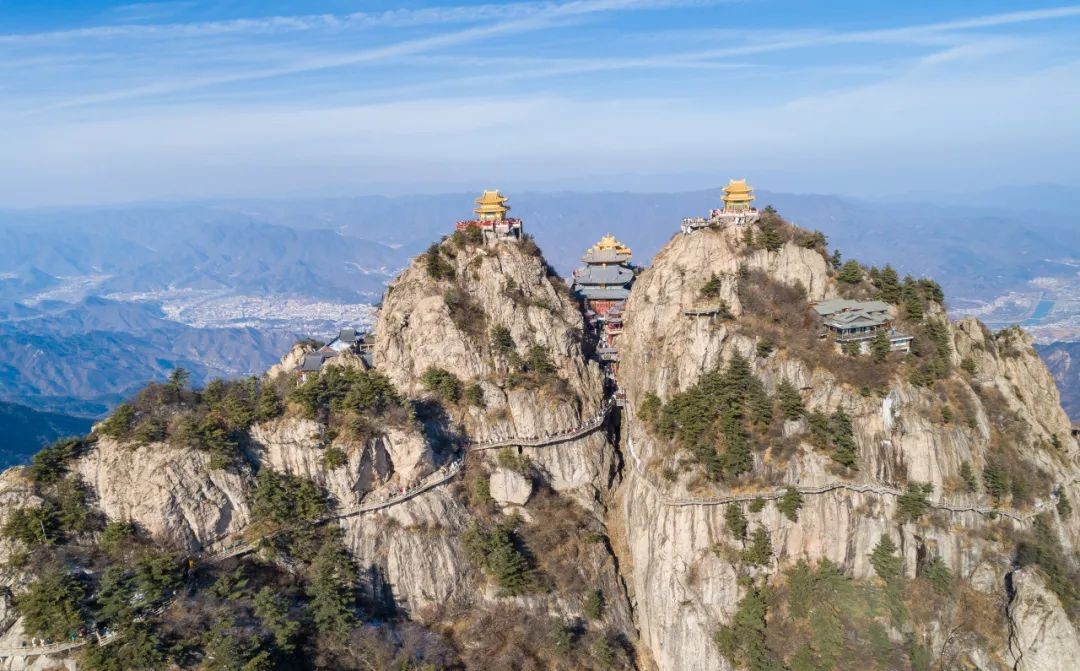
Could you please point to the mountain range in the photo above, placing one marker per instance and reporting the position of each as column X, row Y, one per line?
column 96, row 301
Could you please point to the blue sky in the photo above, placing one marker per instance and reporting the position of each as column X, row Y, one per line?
column 107, row 102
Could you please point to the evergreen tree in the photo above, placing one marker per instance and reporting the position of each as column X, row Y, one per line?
column 835, row 260
column 938, row 574
column 884, row 559
column 888, row 283
column 968, row 476
column 880, row 346
column 995, row 480
column 1064, row 507
column 914, row 309
column 759, row 553
column 332, row 576
column 842, row 437
column 790, row 503
column 273, row 609
column 851, row 272
column 736, row 521
column 791, row 404
column 711, row 288
column 770, row 237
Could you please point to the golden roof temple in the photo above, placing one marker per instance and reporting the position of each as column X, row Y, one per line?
column 737, row 196
column 608, row 243
column 491, row 206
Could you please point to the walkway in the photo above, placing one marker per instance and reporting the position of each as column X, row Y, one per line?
column 244, row 547
column 875, row 488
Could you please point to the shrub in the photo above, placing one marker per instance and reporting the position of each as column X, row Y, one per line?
column 437, row 267
column 474, row 395
column 790, row 503
column 969, row 366
column 442, row 382
column 466, row 313
column 502, row 343
column 334, row 457
column 757, row 505
column 116, row 538
column 764, row 348
column 649, row 412
column 711, row 288
column 538, row 361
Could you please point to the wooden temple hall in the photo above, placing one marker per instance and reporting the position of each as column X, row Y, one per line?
column 491, row 219
column 738, row 209
column 603, row 285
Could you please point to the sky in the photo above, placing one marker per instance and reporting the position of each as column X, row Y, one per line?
column 104, row 102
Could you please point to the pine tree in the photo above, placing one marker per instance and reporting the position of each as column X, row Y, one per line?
column 736, row 521
column 760, row 551
column 888, row 283
column 790, row 503
column 851, row 272
column 770, row 237
column 995, row 480
column 790, row 400
column 884, row 559
column 968, row 476
column 880, row 346
column 835, row 260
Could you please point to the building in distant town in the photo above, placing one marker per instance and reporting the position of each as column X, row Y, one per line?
column 603, row 285
column 491, row 219
column 738, row 208
column 859, row 322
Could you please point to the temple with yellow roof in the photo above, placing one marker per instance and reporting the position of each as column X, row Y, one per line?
column 738, row 209
column 491, row 219
column 603, row 285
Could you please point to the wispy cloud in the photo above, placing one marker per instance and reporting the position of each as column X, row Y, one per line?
column 547, row 87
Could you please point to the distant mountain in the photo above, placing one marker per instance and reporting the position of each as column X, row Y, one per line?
column 976, row 251
column 86, row 357
column 26, row 430
column 96, row 301
column 1063, row 360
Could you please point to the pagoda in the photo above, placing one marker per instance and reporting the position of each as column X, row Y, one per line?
column 491, row 219
column 603, row 284
column 738, row 209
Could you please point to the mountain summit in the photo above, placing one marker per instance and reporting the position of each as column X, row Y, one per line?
column 765, row 458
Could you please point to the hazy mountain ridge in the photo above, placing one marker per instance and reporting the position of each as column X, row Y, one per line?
column 270, row 271
column 1063, row 360
column 27, row 430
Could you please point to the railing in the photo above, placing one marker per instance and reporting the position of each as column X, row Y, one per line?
column 880, row 489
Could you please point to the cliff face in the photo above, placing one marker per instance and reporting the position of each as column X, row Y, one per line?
column 676, row 528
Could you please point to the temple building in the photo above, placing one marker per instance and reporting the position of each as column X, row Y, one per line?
column 603, row 284
column 738, row 208
column 491, row 219
column 359, row 343
column 859, row 322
